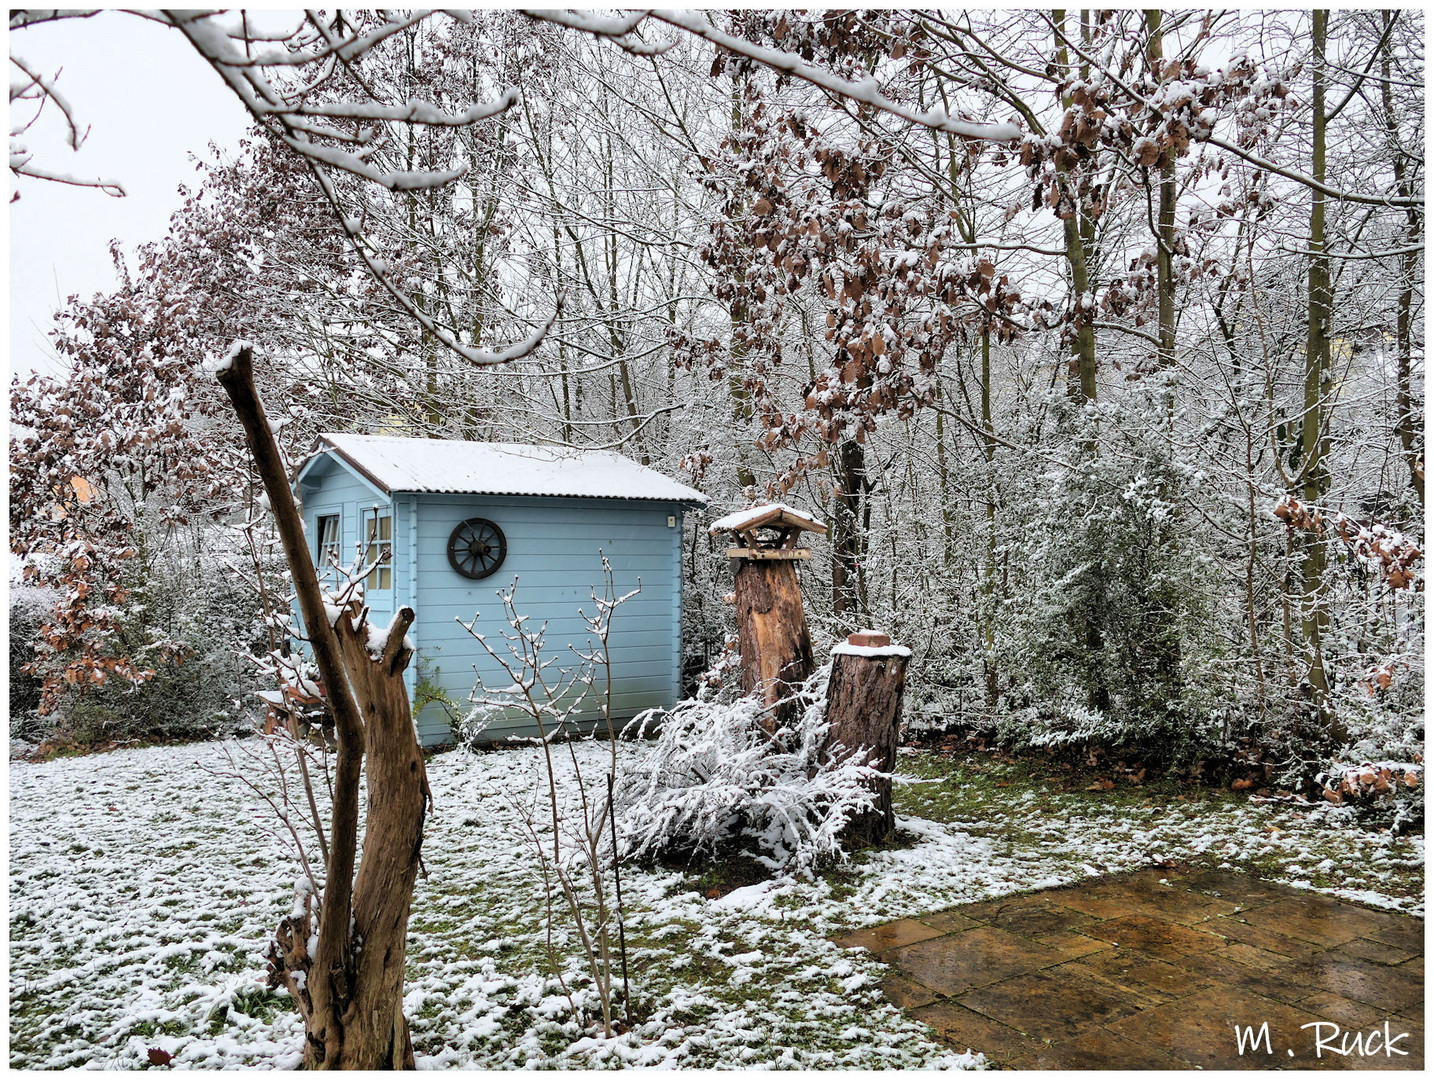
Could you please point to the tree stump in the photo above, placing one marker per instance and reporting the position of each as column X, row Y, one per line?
column 772, row 631
column 864, row 713
column 772, row 634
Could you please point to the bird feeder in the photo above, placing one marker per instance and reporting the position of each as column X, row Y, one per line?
column 772, row 635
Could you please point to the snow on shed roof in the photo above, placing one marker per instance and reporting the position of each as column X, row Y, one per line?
column 452, row 466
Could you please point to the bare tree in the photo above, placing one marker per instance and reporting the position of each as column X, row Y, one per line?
column 349, row 985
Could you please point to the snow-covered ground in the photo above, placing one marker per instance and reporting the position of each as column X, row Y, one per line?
column 143, row 890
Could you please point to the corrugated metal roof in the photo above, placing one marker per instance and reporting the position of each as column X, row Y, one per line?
column 452, row 466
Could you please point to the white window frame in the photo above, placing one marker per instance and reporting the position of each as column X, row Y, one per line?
column 330, row 547
column 377, row 548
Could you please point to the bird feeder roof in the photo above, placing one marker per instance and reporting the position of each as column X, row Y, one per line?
column 770, row 516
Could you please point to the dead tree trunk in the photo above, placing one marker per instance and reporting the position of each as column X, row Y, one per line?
column 375, row 1031
column 864, row 714
column 772, row 634
column 349, row 988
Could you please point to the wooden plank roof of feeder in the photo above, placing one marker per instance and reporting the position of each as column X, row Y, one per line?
column 785, row 523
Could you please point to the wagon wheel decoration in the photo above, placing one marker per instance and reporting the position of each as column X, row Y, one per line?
column 476, row 548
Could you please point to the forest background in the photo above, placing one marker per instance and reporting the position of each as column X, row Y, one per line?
column 1112, row 390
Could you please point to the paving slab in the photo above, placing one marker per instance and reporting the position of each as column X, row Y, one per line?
column 1134, row 975
column 1030, row 915
column 965, row 1030
column 979, row 957
column 1073, row 945
column 1313, row 919
column 948, row 922
column 1157, row 969
column 1201, row 1030
column 1401, row 931
column 1100, row 1049
column 1047, row 1008
column 1380, row 953
column 1156, row 937
column 1352, row 1014
column 1389, row 989
column 906, row 994
column 1237, row 928
column 889, row 935
column 1240, row 888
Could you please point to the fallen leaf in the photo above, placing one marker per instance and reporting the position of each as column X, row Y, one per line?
column 160, row 1057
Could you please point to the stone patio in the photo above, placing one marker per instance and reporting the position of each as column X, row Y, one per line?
column 1153, row 970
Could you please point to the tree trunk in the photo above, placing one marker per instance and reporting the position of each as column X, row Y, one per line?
column 1165, row 225
column 375, row 1031
column 349, row 987
column 988, row 576
column 1076, row 232
column 772, row 634
column 864, row 713
column 846, row 529
column 1407, row 424
column 1314, row 437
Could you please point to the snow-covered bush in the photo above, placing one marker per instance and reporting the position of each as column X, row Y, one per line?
column 715, row 777
column 1374, row 651
column 189, row 622
column 28, row 607
column 1109, row 637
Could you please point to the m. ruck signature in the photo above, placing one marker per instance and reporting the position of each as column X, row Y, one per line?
column 1327, row 1036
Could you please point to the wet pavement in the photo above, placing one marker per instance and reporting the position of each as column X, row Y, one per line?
column 1161, row 969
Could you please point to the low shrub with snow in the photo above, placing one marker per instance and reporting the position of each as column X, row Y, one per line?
column 188, row 623
column 29, row 606
column 715, row 777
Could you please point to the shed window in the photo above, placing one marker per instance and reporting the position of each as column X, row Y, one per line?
column 328, row 555
column 378, row 548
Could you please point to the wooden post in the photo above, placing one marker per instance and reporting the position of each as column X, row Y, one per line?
column 864, row 713
column 772, row 633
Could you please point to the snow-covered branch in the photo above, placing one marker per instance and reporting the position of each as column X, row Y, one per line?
column 866, row 91
column 36, row 87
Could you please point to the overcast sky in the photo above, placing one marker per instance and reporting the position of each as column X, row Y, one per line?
column 150, row 102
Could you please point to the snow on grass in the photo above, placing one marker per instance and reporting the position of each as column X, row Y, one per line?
column 1071, row 833
column 143, row 891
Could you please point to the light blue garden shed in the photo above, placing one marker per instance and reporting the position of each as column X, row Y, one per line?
column 449, row 523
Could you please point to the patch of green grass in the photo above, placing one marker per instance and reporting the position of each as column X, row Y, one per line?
column 148, row 1029
column 180, row 962
column 260, row 1003
column 1021, row 800
column 719, row 875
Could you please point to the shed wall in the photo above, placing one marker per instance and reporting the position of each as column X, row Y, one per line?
column 553, row 551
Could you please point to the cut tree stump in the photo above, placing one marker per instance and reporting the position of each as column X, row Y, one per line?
column 772, row 635
column 864, row 714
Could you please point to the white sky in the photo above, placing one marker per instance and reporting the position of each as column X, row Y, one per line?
column 150, row 102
